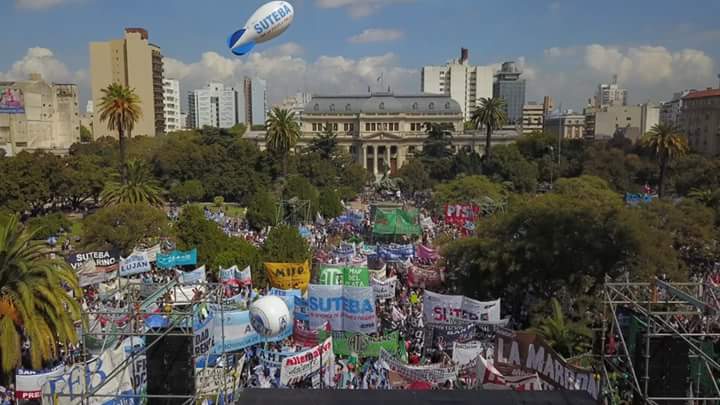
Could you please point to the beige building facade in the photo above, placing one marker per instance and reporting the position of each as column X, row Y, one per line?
column 632, row 121
column 700, row 120
column 133, row 62
column 382, row 131
column 533, row 118
column 565, row 126
column 36, row 115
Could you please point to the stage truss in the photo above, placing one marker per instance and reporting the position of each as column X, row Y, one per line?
column 689, row 313
column 141, row 304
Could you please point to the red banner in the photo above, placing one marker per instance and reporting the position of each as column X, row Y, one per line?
column 460, row 214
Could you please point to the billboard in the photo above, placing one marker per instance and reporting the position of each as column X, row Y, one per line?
column 12, row 100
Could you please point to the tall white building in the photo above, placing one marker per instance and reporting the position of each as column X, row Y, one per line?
column 171, row 102
column 610, row 95
column 463, row 82
column 214, row 106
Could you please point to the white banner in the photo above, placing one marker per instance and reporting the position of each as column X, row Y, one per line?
column 194, row 277
column 384, row 290
column 209, row 381
column 466, row 353
column 350, row 309
column 305, row 364
column 434, row 373
column 204, row 333
column 439, row 308
column 379, row 274
column 29, row 383
column 136, row 263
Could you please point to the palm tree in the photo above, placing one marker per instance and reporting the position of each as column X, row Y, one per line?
column 325, row 143
column 140, row 187
column 666, row 143
column 34, row 304
column 492, row 114
column 120, row 107
column 283, row 132
column 706, row 197
column 565, row 337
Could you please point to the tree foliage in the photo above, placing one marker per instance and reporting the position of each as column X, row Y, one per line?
column 124, row 226
column 262, row 211
column 285, row 245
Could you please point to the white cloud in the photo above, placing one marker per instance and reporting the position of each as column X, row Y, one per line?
column 289, row 73
column 39, row 4
column 43, row 61
column 359, row 8
column 376, row 35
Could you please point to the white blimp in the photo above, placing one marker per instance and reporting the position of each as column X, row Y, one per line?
column 269, row 316
column 269, row 21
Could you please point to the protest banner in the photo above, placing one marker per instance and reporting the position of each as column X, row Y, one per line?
column 303, row 365
column 287, row 295
column 203, row 334
column 136, row 263
column 244, row 277
column 150, row 252
column 29, row 383
column 379, row 274
column 356, row 276
column 466, row 353
column 396, row 253
column 384, row 290
column 459, row 214
column 177, row 258
column 288, row 276
column 349, row 309
column 272, row 358
column 70, row 387
column 424, row 252
column 192, row 277
column 434, row 373
column 306, row 337
column 439, row 308
column 331, row 275
column 347, row 343
column 238, row 332
column 300, row 312
column 528, row 352
column 102, row 258
column 211, row 381
column 89, row 274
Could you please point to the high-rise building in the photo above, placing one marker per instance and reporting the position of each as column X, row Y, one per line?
column 253, row 102
column 548, row 105
column 464, row 83
column 133, row 62
column 511, row 88
column 171, row 97
column 610, row 95
column 214, row 106
column 630, row 121
column 532, row 118
column 670, row 111
column 700, row 119
column 37, row 115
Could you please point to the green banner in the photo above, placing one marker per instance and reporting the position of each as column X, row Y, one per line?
column 345, row 275
column 396, row 222
column 346, row 343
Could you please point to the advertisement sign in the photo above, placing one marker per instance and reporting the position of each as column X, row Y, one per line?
column 102, row 258
column 528, row 352
column 439, row 308
column 12, row 100
column 137, row 263
column 349, row 309
column 384, row 290
column 288, row 276
column 177, row 258
column 305, row 364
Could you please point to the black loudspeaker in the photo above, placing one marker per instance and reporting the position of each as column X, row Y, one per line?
column 170, row 369
column 669, row 366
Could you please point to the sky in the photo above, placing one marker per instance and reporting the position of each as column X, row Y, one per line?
column 566, row 47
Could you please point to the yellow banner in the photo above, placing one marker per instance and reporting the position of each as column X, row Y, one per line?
column 287, row 276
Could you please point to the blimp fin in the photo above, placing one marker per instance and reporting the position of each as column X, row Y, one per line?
column 235, row 37
column 239, row 50
column 242, row 50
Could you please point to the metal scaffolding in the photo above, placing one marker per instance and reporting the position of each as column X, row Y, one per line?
column 687, row 313
column 177, row 307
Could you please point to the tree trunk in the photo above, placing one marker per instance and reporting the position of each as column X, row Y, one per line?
column 487, row 142
column 123, row 154
column 661, row 180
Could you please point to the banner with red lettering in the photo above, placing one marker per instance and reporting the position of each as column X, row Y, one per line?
column 440, row 308
column 459, row 214
column 319, row 359
column 425, row 277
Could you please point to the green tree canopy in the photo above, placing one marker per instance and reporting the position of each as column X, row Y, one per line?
column 187, row 191
column 285, row 245
column 262, row 210
column 124, row 226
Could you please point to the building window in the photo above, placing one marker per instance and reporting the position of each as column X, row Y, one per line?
column 347, row 107
column 352, row 127
column 335, row 127
column 372, row 127
column 382, row 106
column 447, row 106
column 332, row 107
column 314, row 127
column 431, row 106
column 385, row 126
column 415, row 106
column 346, row 127
column 367, row 126
column 316, row 107
column 397, row 126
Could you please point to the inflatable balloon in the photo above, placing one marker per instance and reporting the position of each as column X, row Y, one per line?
column 269, row 21
column 269, row 316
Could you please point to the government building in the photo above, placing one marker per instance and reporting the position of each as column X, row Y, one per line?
column 381, row 131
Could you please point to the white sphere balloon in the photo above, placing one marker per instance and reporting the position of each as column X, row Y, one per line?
column 269, row 316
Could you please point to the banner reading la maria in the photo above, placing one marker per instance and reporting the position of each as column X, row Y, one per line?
column 305, row 364
column 350, row 309
column 439, row 308
column 529, row 352
column 289, row 276
column 177, row 258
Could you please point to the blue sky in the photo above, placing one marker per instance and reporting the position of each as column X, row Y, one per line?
column 566, row 47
